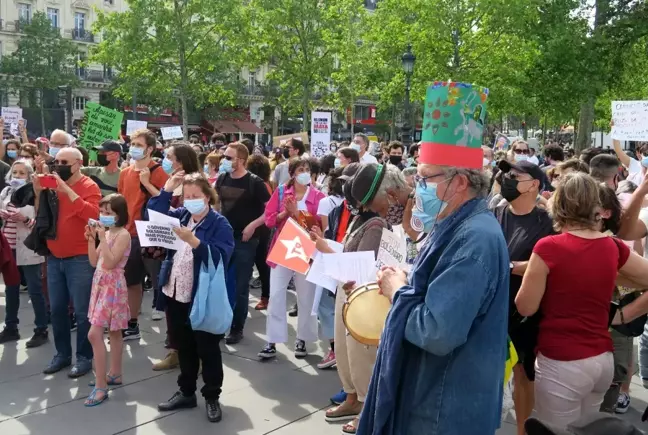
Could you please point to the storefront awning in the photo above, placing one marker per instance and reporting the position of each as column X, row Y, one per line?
column 247, row 127
column 224, row 127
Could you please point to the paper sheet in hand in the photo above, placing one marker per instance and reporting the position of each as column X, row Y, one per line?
column 391, row 251
column 160, row 218
column 317, row 274
column 159, row 231
column 359, row 267
column 174, row 132
column 630, row 120
column 11, row 115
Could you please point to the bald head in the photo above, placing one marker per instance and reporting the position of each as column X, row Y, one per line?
column 59, row 139
column 71, row 155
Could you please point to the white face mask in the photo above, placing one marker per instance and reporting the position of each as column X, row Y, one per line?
column 521, row 158
column 355, row 146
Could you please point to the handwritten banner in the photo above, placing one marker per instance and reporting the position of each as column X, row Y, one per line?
column 99, row 123
column 630, row 120
column 174, row 132
column 132, row 125
column 392, row 251
column 11, row 115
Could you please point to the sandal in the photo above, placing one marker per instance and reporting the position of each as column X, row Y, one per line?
column 342, row 413
column 352, row 426
column 111, row 381
column 92, row 398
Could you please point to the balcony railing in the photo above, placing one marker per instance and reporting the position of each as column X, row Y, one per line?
column 253, row 90
column 19, row 24
column 94, row 75
column 82, row 35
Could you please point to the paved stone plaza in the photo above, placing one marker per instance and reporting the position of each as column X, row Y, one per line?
column 283, row 397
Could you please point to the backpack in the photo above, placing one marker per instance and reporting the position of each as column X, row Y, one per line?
column 147, row 195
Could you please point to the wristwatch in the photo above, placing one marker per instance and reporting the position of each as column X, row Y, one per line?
column 411, row 195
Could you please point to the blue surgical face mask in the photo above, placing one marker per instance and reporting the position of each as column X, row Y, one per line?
column 521, row 158
column 194, row 206
column 427, row 208
column 136, row 153
column 53, row 151
column 337, row 163
column 355, row 146
column 225, row 166
column 16, row 183
column 106, row 220
column 304, row 178
column 493, row 163
column 167, row 165
column 12, row 154
column 206, row 169
column 644, row 162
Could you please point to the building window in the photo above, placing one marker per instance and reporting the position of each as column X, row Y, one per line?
column 252, row 79
column 53, row 15
column 24, row 11
column 80, row 68
column 79, row 103
column 79, row 21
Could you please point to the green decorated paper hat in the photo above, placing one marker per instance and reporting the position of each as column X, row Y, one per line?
column 453, row 124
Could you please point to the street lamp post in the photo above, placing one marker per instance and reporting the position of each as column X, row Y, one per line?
column 408, row 59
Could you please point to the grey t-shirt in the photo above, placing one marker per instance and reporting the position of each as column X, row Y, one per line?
column 280, row 175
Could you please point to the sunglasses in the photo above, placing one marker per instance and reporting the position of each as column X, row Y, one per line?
column 519, row 151
column 63, row 162
column 512, row 176
column 230, row 158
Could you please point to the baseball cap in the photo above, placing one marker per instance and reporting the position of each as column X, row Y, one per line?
column 527, row 168
column 593, row 424
column 109, row 146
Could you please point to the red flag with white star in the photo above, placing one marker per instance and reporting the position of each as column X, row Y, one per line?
column 293, row 248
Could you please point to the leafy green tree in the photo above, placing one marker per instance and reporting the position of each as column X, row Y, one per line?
column 167, row 51
column 300, row 39
column 43, row 60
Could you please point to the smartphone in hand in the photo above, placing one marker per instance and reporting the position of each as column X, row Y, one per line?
column 48, row 181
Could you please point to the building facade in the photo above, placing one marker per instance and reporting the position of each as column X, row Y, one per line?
column 74, row 19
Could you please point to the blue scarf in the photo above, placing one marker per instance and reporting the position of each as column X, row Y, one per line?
column 389, row 400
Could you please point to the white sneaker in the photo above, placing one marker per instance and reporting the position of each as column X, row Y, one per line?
column 157, row 315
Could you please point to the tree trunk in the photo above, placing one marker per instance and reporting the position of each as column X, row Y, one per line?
column 42, row 112
column 584, row 137
column 392, row 127
column 305, row 107
column 184, row 82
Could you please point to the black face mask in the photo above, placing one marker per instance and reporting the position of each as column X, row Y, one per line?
column 509, row 189
column 395, row 160
column 286, row 153
column 63, row 171
column 102, row 160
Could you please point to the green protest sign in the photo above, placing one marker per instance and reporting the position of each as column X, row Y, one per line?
column 99, row 123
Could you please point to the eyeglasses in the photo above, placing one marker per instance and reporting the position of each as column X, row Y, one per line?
column 519, row 151
column 56, row 144
column 63, row 162
column 422, row 181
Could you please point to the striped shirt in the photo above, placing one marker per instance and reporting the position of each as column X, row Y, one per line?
column 9, row 228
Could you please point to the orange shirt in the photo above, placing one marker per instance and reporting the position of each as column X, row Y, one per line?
column 73, row 217
column 129, row 186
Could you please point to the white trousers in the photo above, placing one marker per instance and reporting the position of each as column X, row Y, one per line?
column 567, row 390
column 277, row 320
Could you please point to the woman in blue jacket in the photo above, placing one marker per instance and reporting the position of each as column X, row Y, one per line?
column 203, row 230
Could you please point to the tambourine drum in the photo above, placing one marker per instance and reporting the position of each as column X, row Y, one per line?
column 364, row 314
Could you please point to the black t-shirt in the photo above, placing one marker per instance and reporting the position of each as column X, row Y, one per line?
column 242, row 199
column 522, row 232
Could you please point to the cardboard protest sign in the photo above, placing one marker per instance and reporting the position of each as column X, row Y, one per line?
column 99, row 123
column 13, row 127
column 320, row 133
column 392, row 251
column 174, row 132
column 277, row 141
column 132, row 125
column 293, row 248
column 11, row 115
column 630, row 120
column 453, row 125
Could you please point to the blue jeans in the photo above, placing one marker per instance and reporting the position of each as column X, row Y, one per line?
column 326, row 314
column 32, row 274
column 243, row 258
column 70, row 278
column 643, row 353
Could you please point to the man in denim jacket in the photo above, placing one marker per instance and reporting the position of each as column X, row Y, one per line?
column 440, row 365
